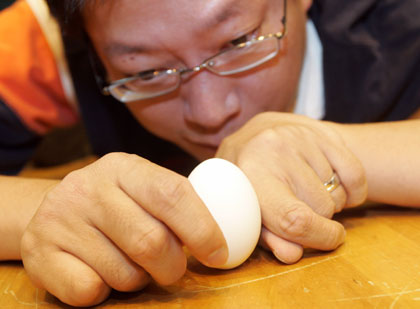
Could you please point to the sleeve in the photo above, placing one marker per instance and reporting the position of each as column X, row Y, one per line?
column 17, row 142
column 32, row 98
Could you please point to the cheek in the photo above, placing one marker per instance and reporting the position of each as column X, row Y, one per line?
column 273, row 86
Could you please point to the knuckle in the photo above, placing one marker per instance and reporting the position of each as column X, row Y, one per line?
column 296, row 222
column 263, row 140
column 171, row 192
column 75, row 183
column 175, row 190
column 32, row 257
column 262, row 117
column 205, row 240
column 267, row 136
column 130, row 280
column 281, row 138
column 47, row 216
column 116, row 160
column 30, row 251
column 86, row 290
column 229, row 147
column 28, row 244
column 71, row 193
column 150, row 246
column 356, row 186
column 114, row 157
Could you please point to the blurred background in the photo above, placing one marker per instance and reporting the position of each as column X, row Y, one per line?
column 61, row 150
column 5, row 3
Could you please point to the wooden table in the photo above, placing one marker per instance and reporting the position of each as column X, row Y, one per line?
column 377, row 267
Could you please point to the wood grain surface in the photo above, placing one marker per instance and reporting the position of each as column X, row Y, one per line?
column 377, row 267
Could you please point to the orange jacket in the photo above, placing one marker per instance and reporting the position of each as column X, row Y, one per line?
column 30, row 83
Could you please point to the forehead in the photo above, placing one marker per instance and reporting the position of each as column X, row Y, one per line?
column 150, row 10
column 117, row 17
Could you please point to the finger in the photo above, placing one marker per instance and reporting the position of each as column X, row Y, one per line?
column 308, row 187
column 68, row 278
column 350, row 171
column 291, row 219
column 74, row 233
column 284, row 250
column 303, row 180
column 96, row 250
column 318, row 171
column 311, row 189
column 339, row 197
column 171, row 199
column 144, row 239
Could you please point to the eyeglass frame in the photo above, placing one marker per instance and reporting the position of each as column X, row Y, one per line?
column 206, row 64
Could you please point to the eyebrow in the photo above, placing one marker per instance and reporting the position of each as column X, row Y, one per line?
column 228, row 10
column 117, row 49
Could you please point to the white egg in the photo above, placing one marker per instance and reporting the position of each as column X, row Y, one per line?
column 233, row 203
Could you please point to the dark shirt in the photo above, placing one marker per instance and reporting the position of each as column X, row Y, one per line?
column 371, row 73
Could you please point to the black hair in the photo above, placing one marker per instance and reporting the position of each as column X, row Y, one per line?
column 77, row 42
column 67, row 12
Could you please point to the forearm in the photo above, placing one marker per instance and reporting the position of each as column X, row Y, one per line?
column 20, row 198
column 390, row 154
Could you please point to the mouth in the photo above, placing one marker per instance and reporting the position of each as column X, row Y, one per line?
column 202, row 142
column 202, row 148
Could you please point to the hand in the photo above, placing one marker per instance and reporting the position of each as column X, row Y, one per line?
column 288, row 158
column 112, row 225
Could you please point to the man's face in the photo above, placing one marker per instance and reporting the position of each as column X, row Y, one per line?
column 131, row 36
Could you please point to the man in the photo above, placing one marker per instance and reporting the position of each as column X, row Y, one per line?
column 216, row 78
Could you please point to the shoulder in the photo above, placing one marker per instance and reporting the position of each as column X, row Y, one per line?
column 371, row 58
column 30, row 81
column 357, row 20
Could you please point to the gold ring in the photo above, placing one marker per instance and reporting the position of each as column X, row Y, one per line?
column 332, row 183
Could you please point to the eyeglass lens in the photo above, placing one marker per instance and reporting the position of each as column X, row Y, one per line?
column 232, row 61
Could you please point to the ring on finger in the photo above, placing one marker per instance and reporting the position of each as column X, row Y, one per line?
column 332, row 183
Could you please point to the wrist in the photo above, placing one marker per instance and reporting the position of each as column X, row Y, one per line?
column 21, row 199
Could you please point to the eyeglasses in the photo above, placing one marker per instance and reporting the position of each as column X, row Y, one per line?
column 236, row 59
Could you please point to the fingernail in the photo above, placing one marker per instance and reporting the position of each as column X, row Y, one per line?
column 218, row 257
column 279, row 258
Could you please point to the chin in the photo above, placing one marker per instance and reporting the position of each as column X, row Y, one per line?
column 201, row 153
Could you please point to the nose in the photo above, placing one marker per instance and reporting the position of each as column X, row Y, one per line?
column 210, row 101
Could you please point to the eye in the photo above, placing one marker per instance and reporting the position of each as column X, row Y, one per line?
column 148, row 75
column 243, row 39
